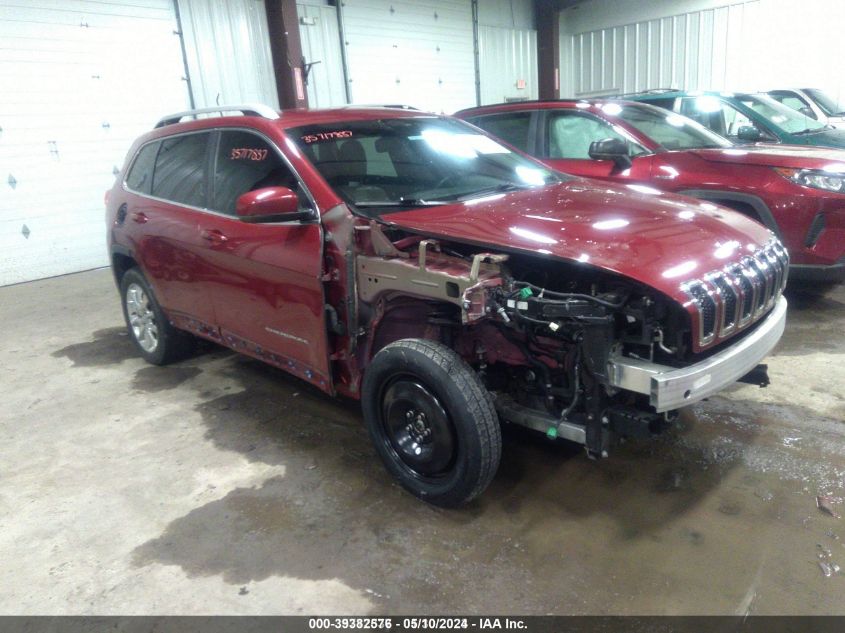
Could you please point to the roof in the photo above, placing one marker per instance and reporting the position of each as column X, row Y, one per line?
column 672, row 94
column 284, row 118
column 537, row 105
column 307, row 116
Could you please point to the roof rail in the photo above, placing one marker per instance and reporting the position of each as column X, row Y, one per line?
column 396, row 106
column 524, row 102
column 650, row 91
column 255, row 109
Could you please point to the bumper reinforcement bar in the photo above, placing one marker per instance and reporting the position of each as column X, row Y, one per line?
column 671, row 388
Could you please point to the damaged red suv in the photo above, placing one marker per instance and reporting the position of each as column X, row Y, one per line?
column 449, row 283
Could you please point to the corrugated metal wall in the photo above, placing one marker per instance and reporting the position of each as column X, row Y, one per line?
column 81, row 79
column 508, row 64
column 318, row 32
column 507, row 42
column 694, row 50
column 417, row 53
column 228, row 52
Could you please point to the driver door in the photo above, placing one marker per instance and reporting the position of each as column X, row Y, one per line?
column 565, row 146
column 265, row 279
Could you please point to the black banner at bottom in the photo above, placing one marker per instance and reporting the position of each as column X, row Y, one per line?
column 403, row 624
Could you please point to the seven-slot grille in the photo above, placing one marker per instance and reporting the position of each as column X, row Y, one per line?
column 730, row 299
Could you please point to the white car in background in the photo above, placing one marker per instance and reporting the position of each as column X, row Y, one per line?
column 813, row 103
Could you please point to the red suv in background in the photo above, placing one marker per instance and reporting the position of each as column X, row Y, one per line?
column 448, row 282
column 796, row 191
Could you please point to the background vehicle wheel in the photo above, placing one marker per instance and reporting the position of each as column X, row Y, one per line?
column 432, row 421
column 157, row 341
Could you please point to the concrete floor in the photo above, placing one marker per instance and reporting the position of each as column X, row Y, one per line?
column 220, row 485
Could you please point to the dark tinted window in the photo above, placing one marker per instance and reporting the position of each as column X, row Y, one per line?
column 660, row 103
column 246, row 162
column 512, row 127
column 140, row 176
column 180, row 169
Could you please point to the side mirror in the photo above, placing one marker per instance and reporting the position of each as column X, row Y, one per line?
column 270, row 204
column 748, row 133
column 614, row 149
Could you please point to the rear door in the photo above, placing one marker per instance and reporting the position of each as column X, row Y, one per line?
column 265, row 279
column 564, row 143
column 168, row 188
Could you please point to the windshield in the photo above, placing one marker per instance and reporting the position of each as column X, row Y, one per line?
column 670, row 130
column 781, row 116
column 412, row 162
column 828, row 105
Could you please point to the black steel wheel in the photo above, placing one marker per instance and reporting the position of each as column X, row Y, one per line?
column 431, row 421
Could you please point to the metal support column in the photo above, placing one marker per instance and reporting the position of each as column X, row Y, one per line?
column 548, row 48
column 285, row 46
column 476, row 52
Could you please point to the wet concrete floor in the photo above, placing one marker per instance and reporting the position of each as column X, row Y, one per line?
column 220, row 485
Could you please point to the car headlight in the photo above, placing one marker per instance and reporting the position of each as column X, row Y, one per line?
column 815, row 178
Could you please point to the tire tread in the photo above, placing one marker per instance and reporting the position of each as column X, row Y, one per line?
column 479, row 404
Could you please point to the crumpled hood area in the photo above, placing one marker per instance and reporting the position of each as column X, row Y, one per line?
column 656, row 238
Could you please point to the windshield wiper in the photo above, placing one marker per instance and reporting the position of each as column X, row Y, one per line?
column 812, row 130
column 502, row 188
column 401, row 202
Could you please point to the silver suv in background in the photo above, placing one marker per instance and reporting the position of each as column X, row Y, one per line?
column 814, row 103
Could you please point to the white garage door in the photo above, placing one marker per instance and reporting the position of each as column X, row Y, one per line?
column 80, row 80
column 418, row 53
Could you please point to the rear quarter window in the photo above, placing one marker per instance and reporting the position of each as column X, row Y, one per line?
column 140, row 175
column 180, row 169
column 512, row 127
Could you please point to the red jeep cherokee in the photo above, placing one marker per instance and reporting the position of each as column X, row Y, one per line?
column 412, row 262
column 797, row 192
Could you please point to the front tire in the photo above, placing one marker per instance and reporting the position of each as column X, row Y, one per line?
column 158, row 342
column 431, row 421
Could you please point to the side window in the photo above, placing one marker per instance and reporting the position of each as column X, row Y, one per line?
column 570, row 135
column 140, row 176
column 246, row 162
column 180, row 169
column 715, row 114
column 512, row 127
column 794, row 101
column 707, row 111
column 734, row 119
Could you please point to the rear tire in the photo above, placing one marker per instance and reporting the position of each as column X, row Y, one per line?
column 432, row 421
column 158, row 342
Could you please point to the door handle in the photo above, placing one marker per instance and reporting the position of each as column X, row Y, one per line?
column 214, row 236
column 140, row 217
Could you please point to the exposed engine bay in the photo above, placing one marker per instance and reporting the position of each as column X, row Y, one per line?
column 540, row 332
